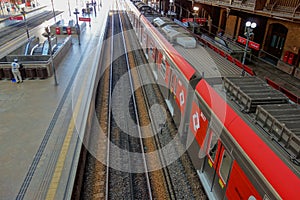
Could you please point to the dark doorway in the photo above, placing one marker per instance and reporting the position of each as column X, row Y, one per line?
column 275, row 40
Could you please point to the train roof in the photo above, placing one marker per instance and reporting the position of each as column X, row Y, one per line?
column 208, row 64
column 184, row 66
column 269, row 110
column 146, row 10
column 276, row 155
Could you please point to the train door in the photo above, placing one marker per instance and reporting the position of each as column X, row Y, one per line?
column 151, row 50
column 164, row 69
column 175, row 112
column 141, row 34
column 132, row 18
column 159, row 57
column 135, row 21
column 153, row 60
column 239, row 185
column 168, row 72
column 216, row 167
column 145, row 43
column 173, row 84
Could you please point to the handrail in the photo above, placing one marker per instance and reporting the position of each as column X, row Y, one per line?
column 272, row 7
column 296, row 9
column 33, row 48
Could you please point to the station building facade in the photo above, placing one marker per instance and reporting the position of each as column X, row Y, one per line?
column 278, row 24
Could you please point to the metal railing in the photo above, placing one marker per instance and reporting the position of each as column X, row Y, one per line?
column 286, row 3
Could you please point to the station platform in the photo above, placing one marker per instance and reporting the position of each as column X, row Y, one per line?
column 278, row 79
column 4, row 15
column 42, row 124
column 287, row 83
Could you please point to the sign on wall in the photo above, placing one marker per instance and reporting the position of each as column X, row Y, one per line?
column 251, row 44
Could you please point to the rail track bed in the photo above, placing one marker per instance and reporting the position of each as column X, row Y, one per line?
column 127, row 160
column 15, row 30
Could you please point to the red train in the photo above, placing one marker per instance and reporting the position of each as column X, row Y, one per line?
column 236, row 140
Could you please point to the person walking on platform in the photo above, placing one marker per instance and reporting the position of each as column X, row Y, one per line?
column 15, row 70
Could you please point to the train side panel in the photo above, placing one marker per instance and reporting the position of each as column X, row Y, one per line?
column 173, row 83
column 196, row 140
column 215, row 155
column 239, row 185
column 253, row 155
column 198, row 124
column 209, row 156
column 174, row 87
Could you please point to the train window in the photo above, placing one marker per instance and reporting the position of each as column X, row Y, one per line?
column 150, row 51
column 163, row 68
column 225, row 166
column 212, row 151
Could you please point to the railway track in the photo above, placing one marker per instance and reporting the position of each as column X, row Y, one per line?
column 15, row 30
column 180, row 178
column 118, row 176
column 160, row 177
column 125, row 147
column 160, row 181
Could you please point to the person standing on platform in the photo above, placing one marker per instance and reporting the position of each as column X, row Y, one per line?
column 15, row 70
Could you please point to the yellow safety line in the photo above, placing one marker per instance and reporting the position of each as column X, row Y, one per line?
column 63, row 154
column 60, row 163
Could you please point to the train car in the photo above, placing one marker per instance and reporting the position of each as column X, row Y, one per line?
column 240, row 137
column 233, row 160
column 175, row 82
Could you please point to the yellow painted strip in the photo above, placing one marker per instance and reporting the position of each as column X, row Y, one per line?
column 64, row 150
column 210, row 163
column 221, row 183
column 60, row 163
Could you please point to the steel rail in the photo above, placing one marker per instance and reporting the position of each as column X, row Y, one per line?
column 109, row 110
column 165, row 170
column 136, row 115
column 153, row 127
column 110, row 114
